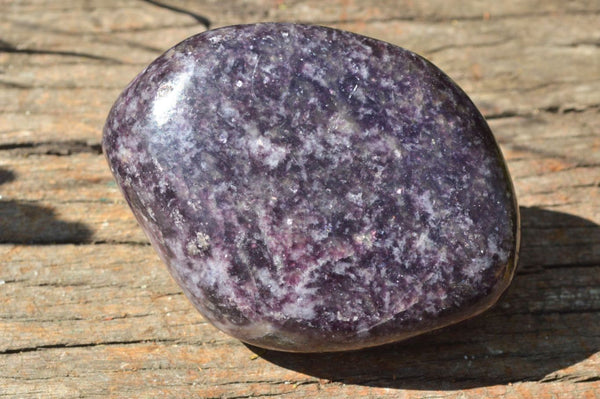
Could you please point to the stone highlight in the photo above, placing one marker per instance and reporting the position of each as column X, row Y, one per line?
column 314, row 190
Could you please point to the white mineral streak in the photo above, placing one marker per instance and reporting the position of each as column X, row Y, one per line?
column 167, row 97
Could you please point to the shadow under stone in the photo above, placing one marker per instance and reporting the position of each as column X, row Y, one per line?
column 6, row 176
column 26, row 223
column 528, row 335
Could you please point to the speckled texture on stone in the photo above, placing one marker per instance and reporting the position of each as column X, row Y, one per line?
column 315, row 190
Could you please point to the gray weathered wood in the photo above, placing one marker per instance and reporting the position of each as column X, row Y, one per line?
column 88, row 310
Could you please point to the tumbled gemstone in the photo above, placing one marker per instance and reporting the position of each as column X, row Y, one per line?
column 315, row 190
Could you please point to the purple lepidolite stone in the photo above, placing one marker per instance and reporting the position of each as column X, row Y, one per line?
column 315, row 190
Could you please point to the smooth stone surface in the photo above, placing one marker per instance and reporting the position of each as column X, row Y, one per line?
column 315, row 190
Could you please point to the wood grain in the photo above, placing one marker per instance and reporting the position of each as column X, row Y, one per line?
column 88, row 310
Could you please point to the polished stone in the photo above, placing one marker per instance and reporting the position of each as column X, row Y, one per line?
column 315, row 190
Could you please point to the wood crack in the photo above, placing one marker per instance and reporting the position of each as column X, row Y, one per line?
column 64, row 148
column 554, row 109
column 26, row 349
column 200, row 18
column 262, row 395
column 9, row 48
column 468, row 45
column 458, row 18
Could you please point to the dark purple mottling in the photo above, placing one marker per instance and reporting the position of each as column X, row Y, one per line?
column 315, row 190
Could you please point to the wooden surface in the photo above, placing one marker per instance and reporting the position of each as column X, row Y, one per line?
column 88, row 310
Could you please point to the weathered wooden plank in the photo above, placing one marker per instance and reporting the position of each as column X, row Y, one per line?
column 563, row 238
column 85, row 176
column 22, row 128
column 535, row 50
column 74, row 199
column 81, row 177
column 449, row 45
column 145, row 370
column 538, row 74
column 106, row 320
column 128, row 282
column 314, row 10
column 89, row 297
